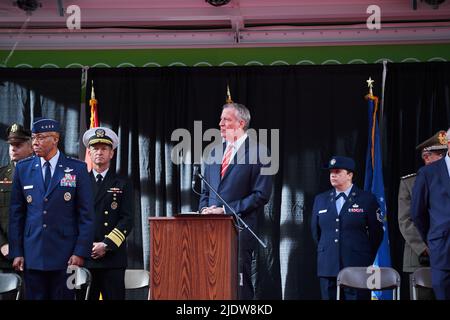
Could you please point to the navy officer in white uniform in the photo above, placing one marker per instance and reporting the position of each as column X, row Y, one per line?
column 346, row 228
column 51, row 218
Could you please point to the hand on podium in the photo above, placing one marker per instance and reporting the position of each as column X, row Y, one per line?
column 213, row 210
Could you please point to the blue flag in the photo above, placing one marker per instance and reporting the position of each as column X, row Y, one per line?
column 373, row 182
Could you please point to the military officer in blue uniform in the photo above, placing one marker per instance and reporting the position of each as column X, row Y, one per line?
column 113, row 202
column 346, row 228
column 430, row 211
column 51, row 216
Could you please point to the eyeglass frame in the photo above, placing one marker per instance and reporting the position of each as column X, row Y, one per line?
column 40, row 138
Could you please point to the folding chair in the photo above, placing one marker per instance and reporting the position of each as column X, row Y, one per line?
column 421, row 278
column 136, row 278
column 356, row 277
column 10, row 282
column 83, row 277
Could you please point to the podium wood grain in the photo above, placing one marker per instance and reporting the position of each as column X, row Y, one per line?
column 193, row 258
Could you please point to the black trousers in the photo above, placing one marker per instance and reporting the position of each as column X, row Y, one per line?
column 247, row 246
column 109, row 282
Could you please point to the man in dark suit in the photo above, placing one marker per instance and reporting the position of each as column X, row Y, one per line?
column 346, row 227
column 416, row 253
column 113, row 202
column 238, row 177
column 430, row 212
column 51, row 216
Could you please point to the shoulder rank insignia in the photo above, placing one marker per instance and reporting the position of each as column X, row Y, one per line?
column 409, row 176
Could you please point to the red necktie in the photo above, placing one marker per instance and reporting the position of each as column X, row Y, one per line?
column 226, row 160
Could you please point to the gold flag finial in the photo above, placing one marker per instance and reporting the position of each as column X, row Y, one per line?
column 228, row 95
column 370, row 85
column 92, row 90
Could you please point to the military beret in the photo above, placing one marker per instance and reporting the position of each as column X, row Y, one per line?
column 45, row 125
column 436, row 142
column 100, row 135
column 339, row 162
column 17, row 133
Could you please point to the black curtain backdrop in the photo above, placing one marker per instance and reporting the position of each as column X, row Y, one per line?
column 318, row 110
column 26, row 94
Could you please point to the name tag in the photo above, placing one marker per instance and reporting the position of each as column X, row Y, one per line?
column 27, row 187
column 323, row 211
column 356, row 209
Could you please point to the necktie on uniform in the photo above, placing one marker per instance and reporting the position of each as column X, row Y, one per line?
column 99, row 179
column 226, row 159
column 340, row 202
column 48, row 175
column 342, row 194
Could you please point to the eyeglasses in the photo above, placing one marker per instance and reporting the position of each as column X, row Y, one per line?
column 40, row 138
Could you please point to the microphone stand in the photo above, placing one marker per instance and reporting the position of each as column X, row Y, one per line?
column 236, row 216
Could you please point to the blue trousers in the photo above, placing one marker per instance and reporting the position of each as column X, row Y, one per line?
column 441, row 283
column 47, row 285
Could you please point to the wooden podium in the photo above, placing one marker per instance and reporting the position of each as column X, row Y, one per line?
column 193, row 257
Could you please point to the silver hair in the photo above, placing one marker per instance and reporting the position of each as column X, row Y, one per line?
column 241, row 112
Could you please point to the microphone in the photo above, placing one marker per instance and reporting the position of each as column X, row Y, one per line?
column 196, row 170
column 195, row 173
column 236, row 216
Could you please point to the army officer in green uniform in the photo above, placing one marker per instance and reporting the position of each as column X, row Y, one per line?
column 19, row 140
column 416, row 253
